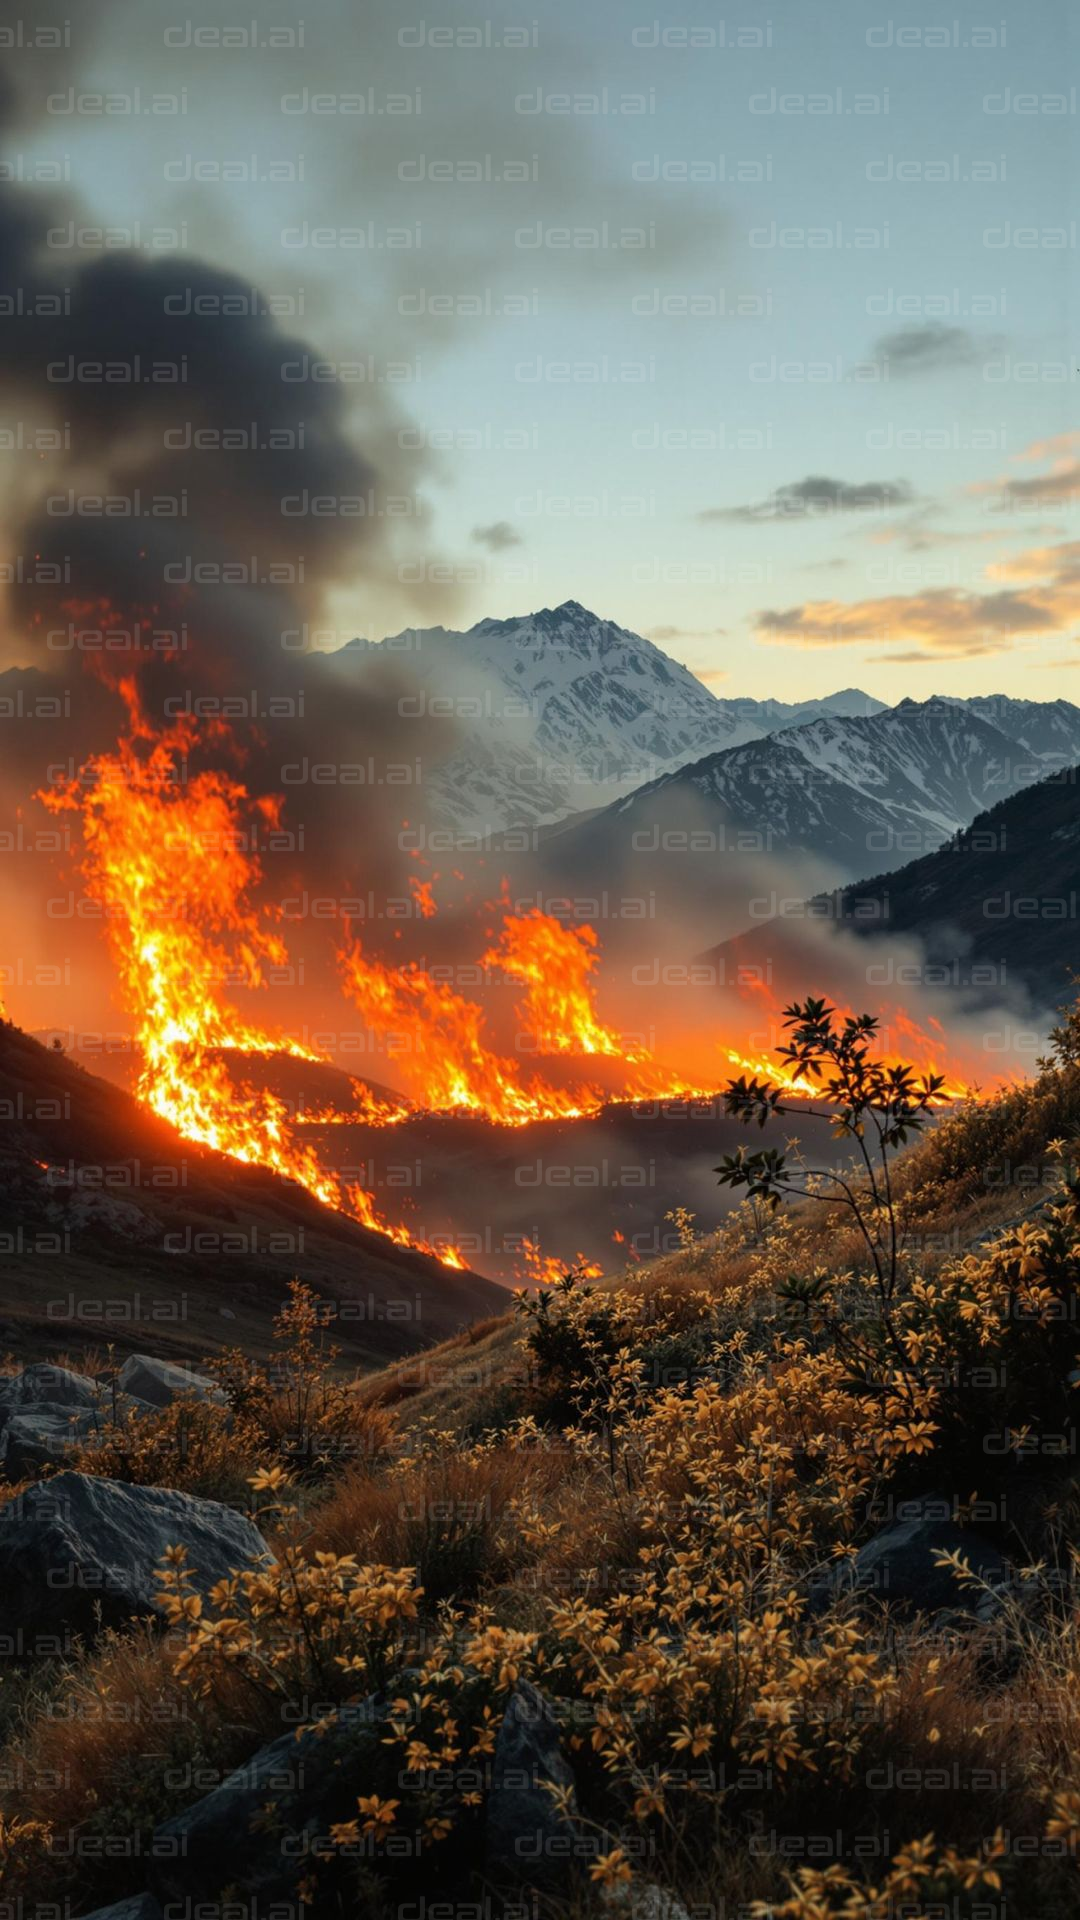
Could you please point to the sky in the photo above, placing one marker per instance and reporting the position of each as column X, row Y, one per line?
column 753, row 331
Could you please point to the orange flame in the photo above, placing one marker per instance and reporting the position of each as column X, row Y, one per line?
column 924, row 1051
column 544, row 1269
column 438, row 1037
column 555, row 963
column 163, row 859
column 423, row 897
column 439, row 1041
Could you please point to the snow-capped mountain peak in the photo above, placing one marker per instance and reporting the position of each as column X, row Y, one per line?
column 560, row 712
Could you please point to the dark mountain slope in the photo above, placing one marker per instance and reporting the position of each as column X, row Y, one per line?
column 1006, row 891
column 113, row 1227
column 842, row 788
column 995, row 908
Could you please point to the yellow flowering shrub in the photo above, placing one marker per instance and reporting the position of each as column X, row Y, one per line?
column 194, row 1445
column 922, row 1879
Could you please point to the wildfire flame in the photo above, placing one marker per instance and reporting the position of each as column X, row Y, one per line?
column 440, row 1043
column 555, row 963
column 163, row 859
column 924, row 1051
column 544, row 1269
column 441, row 1050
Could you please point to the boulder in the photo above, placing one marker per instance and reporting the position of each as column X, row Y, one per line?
column 898, row 1564
column 528, row 1839
column 47, row 1434
column 138, row 1906
column 161, row 1381
column 293, row 1788
column 76, row 1543
column 78, row 1211
column 43, row 1384
column 44, row 1436
column 643, row 1900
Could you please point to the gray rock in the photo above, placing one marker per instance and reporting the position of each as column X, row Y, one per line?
column 161, row 1381
column 36, row 1432
column 139, row 1906
column 643, row 1900
column 47, row 1434
column 528, row 1839
column 71, row 1545
column 77, row 1211
column 306, row 1783
column 43, row 1384
column 43, row 1436
column 898, row 1565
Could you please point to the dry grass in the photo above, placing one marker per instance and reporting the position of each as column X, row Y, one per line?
column 460, row 1519
column 452, row 1384
column 646, row 1559
column 112, row 1744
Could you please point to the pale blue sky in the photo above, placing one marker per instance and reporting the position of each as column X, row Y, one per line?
column 892, row 306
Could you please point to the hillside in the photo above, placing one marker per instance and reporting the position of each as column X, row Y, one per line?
column 701, row 1547
column 115, row 1229
column 1005, row 893
column 994, row 909
column 840, row 789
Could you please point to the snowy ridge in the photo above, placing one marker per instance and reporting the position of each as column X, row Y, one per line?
column 863, row 792
column 560, row 712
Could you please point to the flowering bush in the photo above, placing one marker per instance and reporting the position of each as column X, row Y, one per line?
column 194, row 1445
column 305, row 1413
column 684, row 1450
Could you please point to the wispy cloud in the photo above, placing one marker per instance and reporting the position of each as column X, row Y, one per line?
column 1059, row 485
column 932, row 348
column 943, row 622
column 497, row 537
column 816, row 497
column 664, row 635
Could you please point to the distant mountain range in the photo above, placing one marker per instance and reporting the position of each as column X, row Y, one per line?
column 860, row 794
column 580, row 730
column 560, row 713
column 994, row 909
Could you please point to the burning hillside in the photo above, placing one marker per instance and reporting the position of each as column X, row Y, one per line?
column 257, row 774
column 166, row 860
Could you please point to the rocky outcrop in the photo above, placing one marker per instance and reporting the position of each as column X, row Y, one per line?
column 528, row 1837
column 289, row 1792
column 76, row 1545
column 43, row 1384
column 160, row 1382
column 899, row 1566
column 45, row 1436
